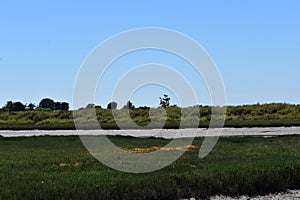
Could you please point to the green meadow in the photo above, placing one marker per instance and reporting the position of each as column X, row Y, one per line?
column 61, row 168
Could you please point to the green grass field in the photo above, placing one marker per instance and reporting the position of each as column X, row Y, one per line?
column 61, row 168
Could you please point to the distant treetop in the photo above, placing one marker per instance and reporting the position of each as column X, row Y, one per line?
column 112, row 105
column 49, row 103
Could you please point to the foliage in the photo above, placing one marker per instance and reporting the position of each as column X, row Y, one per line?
column 129, row 105
column 61, row 106
column 112, row 105
column 61, row 168
column 276, row 114
column 90, row 106
column 47, row 103
column 165, row 101
column 50, row 104
column 14, row 107
column 31, row 106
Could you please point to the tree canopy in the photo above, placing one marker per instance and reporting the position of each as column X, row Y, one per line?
column 49, row 103
column 14, row 107
column 112, row 105
column 129, row 105
column 165, row 101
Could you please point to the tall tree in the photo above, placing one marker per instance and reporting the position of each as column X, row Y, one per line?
column 165, row 101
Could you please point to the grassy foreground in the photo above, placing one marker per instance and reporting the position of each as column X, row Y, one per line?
column 61, row 168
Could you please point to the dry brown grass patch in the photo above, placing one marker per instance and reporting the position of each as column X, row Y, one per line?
column 155, row 148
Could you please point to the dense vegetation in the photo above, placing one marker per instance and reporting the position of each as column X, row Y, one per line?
column 45, row 104
column 61, row 168
column 275, row 114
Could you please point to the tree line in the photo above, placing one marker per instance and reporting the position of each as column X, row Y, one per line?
column 45, row 104
column 164, row 102
column 256, row 115
column 110, row 105
column 49, row 104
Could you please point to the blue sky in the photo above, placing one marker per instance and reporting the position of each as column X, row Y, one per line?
column 255, row 45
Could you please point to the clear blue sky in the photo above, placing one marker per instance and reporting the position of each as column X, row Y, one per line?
column 255, row 44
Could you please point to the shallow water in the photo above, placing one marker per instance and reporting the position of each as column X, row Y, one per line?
column 162, row 133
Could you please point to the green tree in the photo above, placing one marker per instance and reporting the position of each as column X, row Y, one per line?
column 47, row 103
column 112, row 105
column 31, row 106
column 65, row 106
column 61, row 106
column 165, row 101
column 8, row 106
column 129, row 105
column 57, row 106
column 14, row 106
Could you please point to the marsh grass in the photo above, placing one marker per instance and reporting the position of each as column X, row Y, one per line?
column 61, row 168
column 265, row 115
